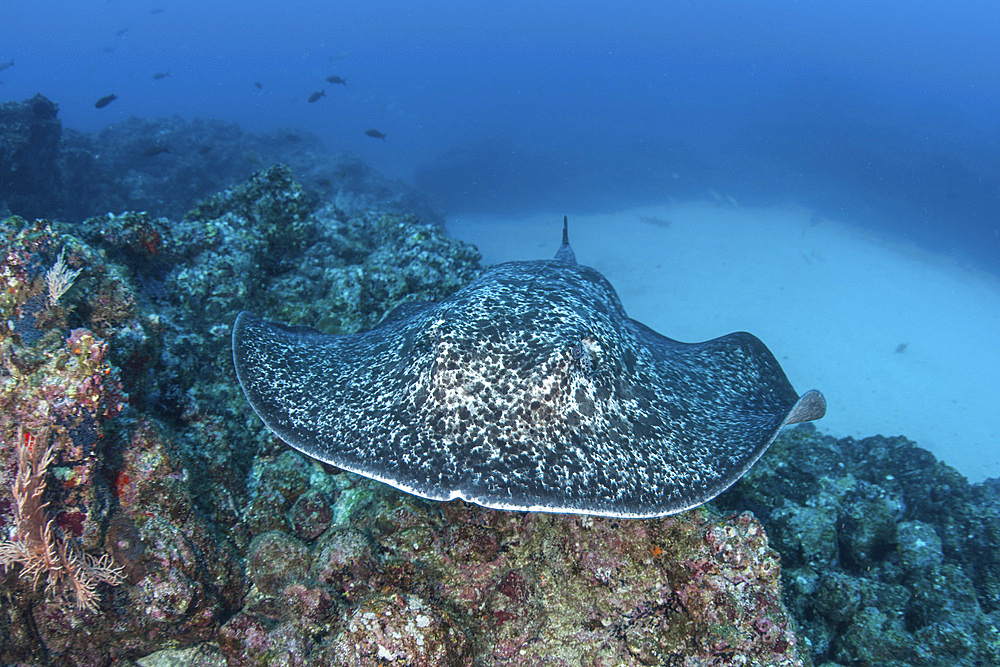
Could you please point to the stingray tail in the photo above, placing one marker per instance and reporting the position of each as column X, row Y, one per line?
column 565, row 253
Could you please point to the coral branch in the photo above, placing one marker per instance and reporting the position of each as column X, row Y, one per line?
column 36, row 548
column 59, row 278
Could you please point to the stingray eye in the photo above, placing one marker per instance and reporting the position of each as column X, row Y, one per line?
column 586, row 355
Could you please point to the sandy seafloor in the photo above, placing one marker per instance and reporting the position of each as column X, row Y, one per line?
column 900, row 340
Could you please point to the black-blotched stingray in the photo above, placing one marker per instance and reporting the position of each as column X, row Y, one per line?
column 528, row 389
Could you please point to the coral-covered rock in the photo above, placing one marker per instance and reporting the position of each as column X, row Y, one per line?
column 181, row 577
column 264, row 513
column 270, row 201
column 248, row 640
column 875, row 637
column 866, row 526
column 810, row 533
column 399, row 629
column 345, row 561
column 514, row 613
column 277, row 559
column 200, row 655
column 432, row 583
column 919, row 546
column 838, row 597
column 311, row 514
column 165, row 165
column 287, row 475
column 55, row 379
column 908, row 571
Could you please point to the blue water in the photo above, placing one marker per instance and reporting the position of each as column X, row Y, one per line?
column 882, row 113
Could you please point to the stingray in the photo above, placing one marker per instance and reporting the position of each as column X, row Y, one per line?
column 528, row 389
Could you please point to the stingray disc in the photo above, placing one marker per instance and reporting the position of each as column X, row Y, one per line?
column 529, row 389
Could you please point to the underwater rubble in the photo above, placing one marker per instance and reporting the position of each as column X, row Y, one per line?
column 220, row 545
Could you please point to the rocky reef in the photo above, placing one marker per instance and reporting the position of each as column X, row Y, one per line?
column 29, row 153
column 394, row 579
column 147, row 517
column 166, row 165
column 198, row 538
column 889, row 557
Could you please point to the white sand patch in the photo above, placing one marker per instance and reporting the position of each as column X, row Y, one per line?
column 900, row 341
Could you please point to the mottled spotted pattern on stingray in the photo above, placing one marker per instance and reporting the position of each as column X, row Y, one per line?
column 528, row 389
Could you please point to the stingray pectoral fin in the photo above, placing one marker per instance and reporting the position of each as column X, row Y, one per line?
column 347, row 400
column 268, row 364
column 811, row 405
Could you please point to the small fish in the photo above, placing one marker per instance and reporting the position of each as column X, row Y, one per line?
column 120, row 32
column 105, row 101
column 161, row 75
column 375, row 134
column 9, row 63
column 336, row 79
column 155, row 149
column 108, row 49
column 315, row 96
column 655, row 220
column 157, row 10
column 901, row 348
column 204, row 149
column 258, row 85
